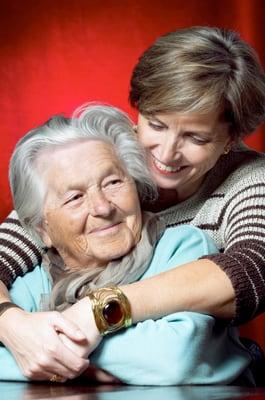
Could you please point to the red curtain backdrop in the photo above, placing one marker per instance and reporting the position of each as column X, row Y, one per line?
column 55, row 55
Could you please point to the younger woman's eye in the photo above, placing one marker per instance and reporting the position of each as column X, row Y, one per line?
column 197, row 139
column 155, row 126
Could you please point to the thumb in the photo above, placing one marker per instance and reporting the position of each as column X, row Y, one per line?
column 67, row 327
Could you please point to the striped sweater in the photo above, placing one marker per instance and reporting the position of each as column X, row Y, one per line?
column 230, row 207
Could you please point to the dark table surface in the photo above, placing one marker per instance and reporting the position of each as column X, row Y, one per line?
column 25, row 391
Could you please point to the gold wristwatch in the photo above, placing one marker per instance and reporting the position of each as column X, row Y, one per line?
column 111, row 308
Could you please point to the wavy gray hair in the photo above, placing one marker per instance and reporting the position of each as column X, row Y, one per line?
column 89, row 122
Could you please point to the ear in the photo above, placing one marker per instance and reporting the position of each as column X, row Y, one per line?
column 231, row 142
column 44, row 234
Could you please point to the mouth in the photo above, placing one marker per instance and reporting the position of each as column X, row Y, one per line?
column 166, row 169
column 106, row 229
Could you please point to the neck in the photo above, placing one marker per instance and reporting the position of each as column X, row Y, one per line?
column 166, row 198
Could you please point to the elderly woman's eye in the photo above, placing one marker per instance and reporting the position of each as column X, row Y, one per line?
column 114, row 182
column 74, row 198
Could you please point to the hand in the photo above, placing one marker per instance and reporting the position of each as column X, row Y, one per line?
column 81, row 313
column 35, row 344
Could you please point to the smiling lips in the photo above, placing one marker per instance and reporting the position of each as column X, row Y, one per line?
column 166, row 169
column 106, row 229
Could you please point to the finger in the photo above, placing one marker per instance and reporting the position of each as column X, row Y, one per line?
column 71, row 362
column 46, row 366
column 64, row 373
column 57, row 358
column 67, row 327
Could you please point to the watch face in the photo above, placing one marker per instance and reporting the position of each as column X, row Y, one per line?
column 112, row 313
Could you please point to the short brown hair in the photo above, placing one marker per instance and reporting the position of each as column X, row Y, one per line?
column 201, row 69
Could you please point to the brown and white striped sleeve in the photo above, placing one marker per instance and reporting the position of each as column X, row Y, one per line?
column 243, row 259
column 18, row 251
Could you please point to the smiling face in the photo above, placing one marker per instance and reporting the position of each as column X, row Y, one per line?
column 91, row 210
column 181, row 149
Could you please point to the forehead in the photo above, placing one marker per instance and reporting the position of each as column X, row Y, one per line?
column 204, row 118
column 83, row 160
column 85, row 150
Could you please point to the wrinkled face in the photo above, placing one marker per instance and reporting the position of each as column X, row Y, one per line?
column 181, row 149
column 91, row 211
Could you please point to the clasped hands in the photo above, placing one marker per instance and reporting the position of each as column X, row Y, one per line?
column 45, row 344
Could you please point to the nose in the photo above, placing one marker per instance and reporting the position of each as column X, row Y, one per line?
column 99, row 205
column 170, row 148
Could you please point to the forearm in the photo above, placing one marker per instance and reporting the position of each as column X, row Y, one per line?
column 19, row 252
column 199, row 286
column 4, row 295
column 181, row 348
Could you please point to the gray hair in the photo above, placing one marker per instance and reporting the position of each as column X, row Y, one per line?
column 202, row 69
column 89, row 122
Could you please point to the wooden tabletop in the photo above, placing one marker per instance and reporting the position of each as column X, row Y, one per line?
column 29, row 391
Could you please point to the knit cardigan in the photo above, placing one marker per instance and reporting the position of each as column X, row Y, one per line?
column 229, row 206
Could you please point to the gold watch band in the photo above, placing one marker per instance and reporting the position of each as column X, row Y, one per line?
column 111, row 308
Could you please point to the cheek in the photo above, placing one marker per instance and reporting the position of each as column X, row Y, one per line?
column 56, row 229
column 135, row 223
column 61, row 226
column 132, row 210
column 202, row 159
column 146, row 138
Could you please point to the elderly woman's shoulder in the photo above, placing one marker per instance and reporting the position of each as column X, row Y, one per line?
column 177, row 246
column 185, row 240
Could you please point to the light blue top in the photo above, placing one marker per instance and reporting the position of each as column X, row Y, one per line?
column 181, row 348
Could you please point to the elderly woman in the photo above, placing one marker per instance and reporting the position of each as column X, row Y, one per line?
column 199, row 92
column 74, row 184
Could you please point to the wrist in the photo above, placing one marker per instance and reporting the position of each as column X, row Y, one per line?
column 7, row 319
column 4, row 294
column 88, row 322
column 6, row 305
column 111, row 309
column 81, row 313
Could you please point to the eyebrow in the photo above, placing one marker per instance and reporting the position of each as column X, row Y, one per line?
column 203, row 132
column 149, row 117
column 110, row 170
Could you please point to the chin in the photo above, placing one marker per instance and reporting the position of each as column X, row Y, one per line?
column 167, row 185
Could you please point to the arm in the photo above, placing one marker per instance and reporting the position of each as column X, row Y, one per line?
column 183, row 288
column 181, row 348
column 4, row 295
column 18, row 251
column 244, row 257
column 239, row 271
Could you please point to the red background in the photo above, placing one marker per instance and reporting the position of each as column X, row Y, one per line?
column 55, row 55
